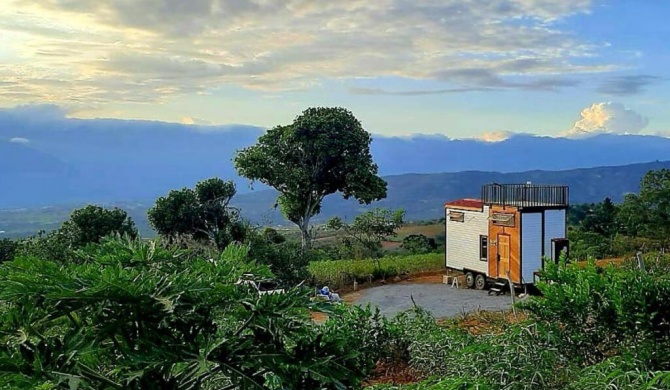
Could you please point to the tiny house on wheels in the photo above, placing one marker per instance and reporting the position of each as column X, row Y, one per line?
column 507, row 234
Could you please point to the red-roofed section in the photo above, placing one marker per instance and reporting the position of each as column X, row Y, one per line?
column 466, row 204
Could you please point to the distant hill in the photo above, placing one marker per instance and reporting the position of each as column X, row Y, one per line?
column 421, row 195
column 48, row 159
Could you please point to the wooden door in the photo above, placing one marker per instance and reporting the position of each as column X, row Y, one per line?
column 503, row 256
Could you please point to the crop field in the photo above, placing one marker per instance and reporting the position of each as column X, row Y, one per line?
column 338, row 273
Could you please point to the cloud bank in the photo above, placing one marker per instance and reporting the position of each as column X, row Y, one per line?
column 83, row 52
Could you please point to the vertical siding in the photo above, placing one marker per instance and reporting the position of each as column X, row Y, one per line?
column 514, row 243
column 531, row 245
column 463, row 240
column 554, row 227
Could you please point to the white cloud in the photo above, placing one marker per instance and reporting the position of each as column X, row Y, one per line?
column 608, row 118
column 84, row 52
column 495, row 136
column 188, row 120
column 19, row 140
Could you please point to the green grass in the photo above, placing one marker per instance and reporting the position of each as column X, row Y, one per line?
column 338, row 273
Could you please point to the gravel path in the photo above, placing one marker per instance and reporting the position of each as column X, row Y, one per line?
column 439, row 299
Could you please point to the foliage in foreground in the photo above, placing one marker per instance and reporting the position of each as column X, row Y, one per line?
column 338, row 273
column 134, row 315
column 594, row 328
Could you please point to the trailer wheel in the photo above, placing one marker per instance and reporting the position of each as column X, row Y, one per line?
column 480, row 282
column 469, row 280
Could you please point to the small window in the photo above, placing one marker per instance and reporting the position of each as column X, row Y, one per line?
column 502, row 219
column 483, row 248
column 456, row 216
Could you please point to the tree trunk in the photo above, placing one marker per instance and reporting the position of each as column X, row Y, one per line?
column 306, row 238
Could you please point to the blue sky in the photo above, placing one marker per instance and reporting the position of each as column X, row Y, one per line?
column 478, row 68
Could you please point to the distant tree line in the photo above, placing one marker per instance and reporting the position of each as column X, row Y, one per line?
column 640, row 222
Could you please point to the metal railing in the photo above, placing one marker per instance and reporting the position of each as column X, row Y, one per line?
column 525, row 195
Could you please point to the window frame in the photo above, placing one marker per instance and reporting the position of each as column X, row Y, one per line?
column 504, row 219
column 456, row 216
column 483, row 243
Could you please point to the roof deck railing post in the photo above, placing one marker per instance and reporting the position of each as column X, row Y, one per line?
column 525, row 195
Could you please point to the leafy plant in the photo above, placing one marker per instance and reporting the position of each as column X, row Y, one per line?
column 606, row 311
column 136, row 315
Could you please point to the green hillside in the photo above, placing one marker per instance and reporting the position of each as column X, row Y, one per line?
column 421, row 195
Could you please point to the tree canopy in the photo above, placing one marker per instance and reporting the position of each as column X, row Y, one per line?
column 91, row 223
column 324, row 151
column 201, row 213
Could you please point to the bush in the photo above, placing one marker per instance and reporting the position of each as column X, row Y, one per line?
column 7, row 250
column 287, row 261
column 364, row 329
column 53, row 246
column 606, row 311
column 418, row 243
column 136, row 315
column 273, row 236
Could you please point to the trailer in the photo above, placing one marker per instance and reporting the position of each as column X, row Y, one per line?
column 507, row 234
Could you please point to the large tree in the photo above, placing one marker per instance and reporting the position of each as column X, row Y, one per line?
column 325, row 150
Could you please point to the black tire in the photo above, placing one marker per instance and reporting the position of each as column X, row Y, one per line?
column 480, row 282
column 469, row 280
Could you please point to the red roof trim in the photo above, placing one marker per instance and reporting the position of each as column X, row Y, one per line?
column 470, row 203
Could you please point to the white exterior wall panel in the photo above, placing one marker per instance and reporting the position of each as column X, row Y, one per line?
column 462, row 240
column 531, row 245
column 554, row 227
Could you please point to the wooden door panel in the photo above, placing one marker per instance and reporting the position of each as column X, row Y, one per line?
column 503, row 255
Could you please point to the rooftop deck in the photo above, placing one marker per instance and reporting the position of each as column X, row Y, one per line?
column 526, row 195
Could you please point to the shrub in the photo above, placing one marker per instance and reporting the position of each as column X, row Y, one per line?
column 418, row 243
column 273, row 236
column 606, row 311
column 7, row 250
column 287, row 261
column 53, row 246
column 137, row 315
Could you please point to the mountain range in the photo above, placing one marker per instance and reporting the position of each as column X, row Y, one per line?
column 421, row 195
column 49, row 159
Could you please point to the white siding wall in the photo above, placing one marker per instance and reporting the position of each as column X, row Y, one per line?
column 463, row 240
column 554, row 227
column 531, row 245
